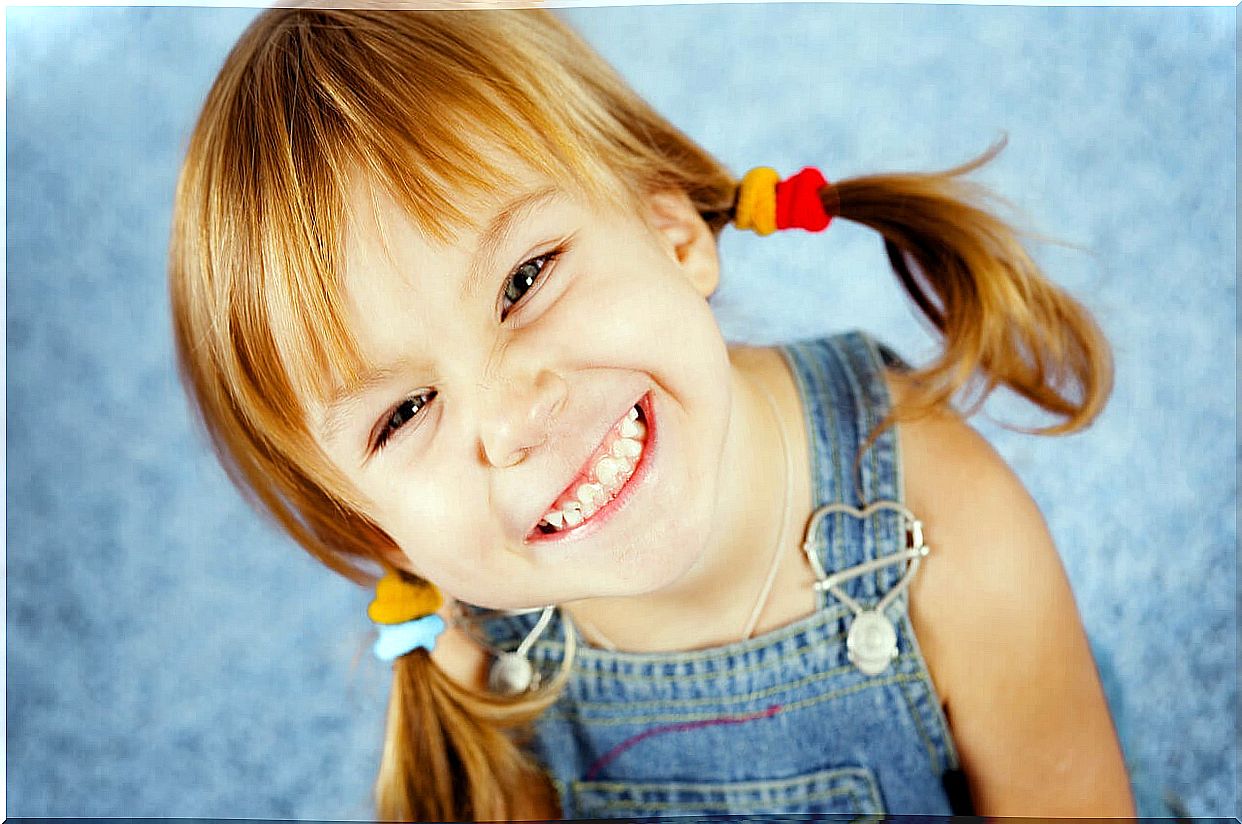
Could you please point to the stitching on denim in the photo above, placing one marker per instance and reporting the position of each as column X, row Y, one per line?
column 857, row 407
column 905, row 630
column 839, row 774
column 940, row 733
column 811, row 372
column 733, row 804
column 727, row 699
column 861, row 372
column 832, row 424
column 856, row 371
column 885, row 577
column 885, row 460
column 811, row 375
column 553, row 713
column 616, row 804
column 917, row 716
column 856, row 803
column 851, row 374
column 849, row 779
column 648, row 677
column 813, row 622
column 874, row 796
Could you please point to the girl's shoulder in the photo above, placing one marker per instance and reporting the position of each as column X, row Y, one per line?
column 996, row 619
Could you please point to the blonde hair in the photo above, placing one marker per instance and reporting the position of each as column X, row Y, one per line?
column 311, row 101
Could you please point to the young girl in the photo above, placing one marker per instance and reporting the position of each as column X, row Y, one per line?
column 440, row 285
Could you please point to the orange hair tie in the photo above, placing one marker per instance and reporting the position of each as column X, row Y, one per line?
column 756, row 201
column 766, row 203
column 397, row 599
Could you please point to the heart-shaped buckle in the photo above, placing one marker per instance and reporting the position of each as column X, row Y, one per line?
column 871, row 642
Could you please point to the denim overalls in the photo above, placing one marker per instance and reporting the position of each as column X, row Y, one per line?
column 782, row 722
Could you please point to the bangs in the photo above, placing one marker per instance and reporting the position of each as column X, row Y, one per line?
column 404, row 103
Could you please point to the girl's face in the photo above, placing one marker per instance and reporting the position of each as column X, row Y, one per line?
column 493, row 440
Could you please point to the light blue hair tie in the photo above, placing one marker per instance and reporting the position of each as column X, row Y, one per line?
column 396, row 640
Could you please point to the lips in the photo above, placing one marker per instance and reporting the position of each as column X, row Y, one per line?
column 603, row 480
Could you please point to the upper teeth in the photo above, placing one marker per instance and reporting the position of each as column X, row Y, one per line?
column 606, row 477
column 606, row 471
column 627, row 448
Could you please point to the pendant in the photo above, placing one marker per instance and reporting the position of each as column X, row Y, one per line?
column 511, row 674
column 871, row 643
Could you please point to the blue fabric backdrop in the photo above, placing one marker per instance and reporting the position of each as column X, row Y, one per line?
column 170, row 654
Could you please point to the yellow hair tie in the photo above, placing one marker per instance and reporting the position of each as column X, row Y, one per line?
column 756, row 201
column 398, row 600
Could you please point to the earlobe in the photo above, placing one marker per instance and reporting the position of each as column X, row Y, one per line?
column 687, row 237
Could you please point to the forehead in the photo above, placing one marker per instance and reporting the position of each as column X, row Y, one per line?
column 381, row 225
column 386, row 250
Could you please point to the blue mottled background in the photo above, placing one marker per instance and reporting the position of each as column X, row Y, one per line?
column 170, row 654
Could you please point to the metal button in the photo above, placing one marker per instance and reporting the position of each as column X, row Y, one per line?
column 871, row 643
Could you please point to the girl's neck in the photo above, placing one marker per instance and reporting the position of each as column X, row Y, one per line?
column 710, row 605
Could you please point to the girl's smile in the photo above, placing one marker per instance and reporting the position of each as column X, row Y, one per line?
column 616, row 468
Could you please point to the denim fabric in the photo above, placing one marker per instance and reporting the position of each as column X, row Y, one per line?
column 783, row 722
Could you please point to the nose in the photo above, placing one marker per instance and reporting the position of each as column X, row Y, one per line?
column 519, row 416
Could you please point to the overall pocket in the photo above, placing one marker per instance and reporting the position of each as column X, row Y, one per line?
column 840, row 790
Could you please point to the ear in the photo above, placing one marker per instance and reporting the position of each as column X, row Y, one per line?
column 687, row 238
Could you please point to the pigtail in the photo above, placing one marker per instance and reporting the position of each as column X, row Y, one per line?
column 454, row 754
column 1002, row 321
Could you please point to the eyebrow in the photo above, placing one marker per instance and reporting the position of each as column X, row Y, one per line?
column 497, row 230
column 343, row 400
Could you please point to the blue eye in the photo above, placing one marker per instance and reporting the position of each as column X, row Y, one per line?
column 522, row 279
column 401, row 415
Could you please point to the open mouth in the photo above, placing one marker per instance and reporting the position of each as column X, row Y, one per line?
column 602, row 479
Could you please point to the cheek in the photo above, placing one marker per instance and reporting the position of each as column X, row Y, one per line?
column 636, row 299
column 433, row 526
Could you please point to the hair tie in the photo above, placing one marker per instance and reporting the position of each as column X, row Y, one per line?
column 766, row 203
column 404, row 612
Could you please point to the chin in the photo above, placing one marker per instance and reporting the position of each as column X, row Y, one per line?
column 660, row 561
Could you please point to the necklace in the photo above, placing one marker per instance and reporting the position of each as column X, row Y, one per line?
column 766, row 591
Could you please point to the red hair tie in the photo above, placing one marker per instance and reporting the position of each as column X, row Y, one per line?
column 765, row 203
column 798, row 204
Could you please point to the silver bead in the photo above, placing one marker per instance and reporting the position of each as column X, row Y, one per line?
column 511, row 674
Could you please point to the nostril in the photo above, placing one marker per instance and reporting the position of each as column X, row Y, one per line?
column 520, row 415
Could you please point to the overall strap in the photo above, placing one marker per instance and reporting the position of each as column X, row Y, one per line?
column 844, row 398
